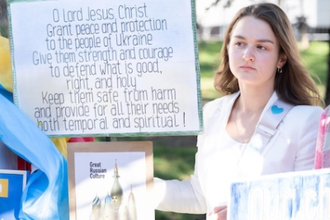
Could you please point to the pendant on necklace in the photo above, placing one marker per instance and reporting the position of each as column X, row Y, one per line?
column 242, row 146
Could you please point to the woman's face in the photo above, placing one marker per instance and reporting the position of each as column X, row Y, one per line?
column 253, row 52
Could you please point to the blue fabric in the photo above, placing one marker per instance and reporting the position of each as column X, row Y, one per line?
column 6, row 93
column 46, row 192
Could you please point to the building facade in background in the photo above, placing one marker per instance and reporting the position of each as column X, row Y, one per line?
column 315, row 14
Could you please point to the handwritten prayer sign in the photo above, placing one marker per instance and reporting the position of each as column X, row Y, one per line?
column 107, row 67
column 288, row 196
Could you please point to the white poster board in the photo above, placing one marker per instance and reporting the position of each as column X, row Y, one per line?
column 111, row 180
column 107, row 67
column 287, row 196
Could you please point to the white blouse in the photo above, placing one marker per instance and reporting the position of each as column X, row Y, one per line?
column 220, row 160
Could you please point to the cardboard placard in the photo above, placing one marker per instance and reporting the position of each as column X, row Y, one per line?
column 110, row 179
column 287, row 196
column 12, row 184
column 107, row 67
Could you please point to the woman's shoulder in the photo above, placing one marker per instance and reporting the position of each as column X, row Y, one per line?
column 305, row 114
column 303, row 110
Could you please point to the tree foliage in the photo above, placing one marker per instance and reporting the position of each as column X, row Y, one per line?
column 216, row 2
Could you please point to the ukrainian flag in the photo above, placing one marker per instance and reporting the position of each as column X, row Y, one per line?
column 46, row 193
column 4, row 188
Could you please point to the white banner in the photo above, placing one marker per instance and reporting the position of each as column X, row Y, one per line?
column 107, row 67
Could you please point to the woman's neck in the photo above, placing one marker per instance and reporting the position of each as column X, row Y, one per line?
column 253, row 100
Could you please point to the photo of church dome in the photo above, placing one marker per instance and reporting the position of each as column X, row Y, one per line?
column 111, row 181
column 113, row 206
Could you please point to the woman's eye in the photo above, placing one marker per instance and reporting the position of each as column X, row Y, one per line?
column 261, row 47
column 239, row 44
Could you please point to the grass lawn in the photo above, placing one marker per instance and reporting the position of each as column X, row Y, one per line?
column 315, row 58
column 178, row 162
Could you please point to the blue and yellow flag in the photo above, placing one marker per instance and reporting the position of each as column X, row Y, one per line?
column 6, row 79
column 46, row 193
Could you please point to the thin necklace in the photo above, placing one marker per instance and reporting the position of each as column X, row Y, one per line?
column 242, row 145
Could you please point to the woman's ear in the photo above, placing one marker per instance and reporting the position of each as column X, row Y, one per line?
column 282, row 60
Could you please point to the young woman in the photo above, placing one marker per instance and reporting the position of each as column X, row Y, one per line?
column 266, row 122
